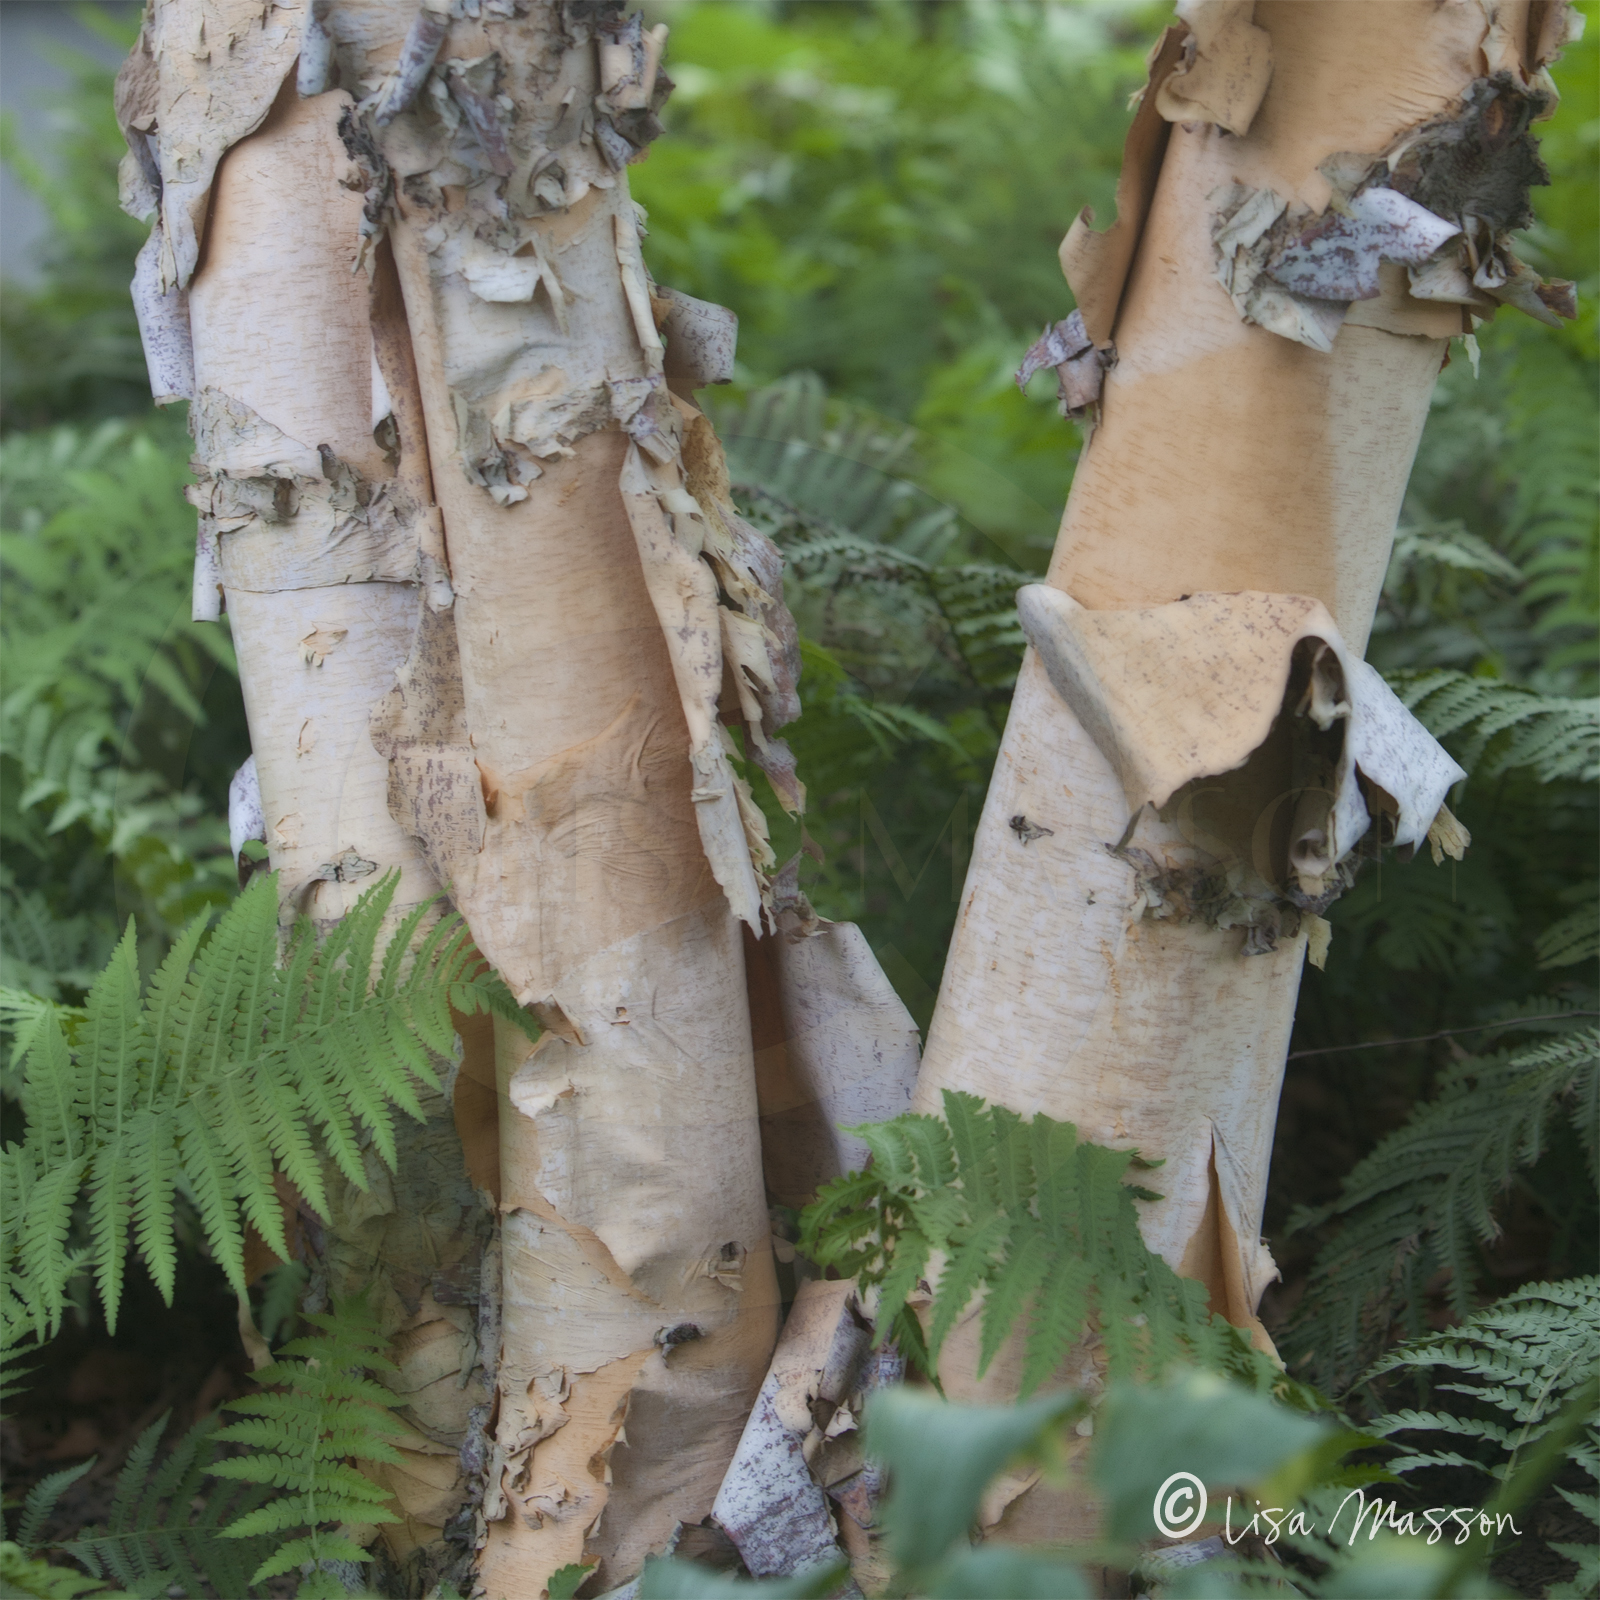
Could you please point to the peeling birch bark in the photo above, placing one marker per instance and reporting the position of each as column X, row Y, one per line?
column 314, row 536
column 498, row 624
column 800, row 1449
column 836, row 1047
column 560, row 751
column 321, row 587
column 1195, row 747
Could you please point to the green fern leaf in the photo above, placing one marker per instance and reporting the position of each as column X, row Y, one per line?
column 1060, row 1314
column 1520, row 1360
column 1426, row 1196
column 1012, row 1290
column 152, row 1540
column 1495, row 726
column 1044, row 1227
column 232, row 1069
column 1572, row 940
column 905, row 1268
column 41, row 1501
column 22, row 1575
column 318, row 1410
column 966, row 1271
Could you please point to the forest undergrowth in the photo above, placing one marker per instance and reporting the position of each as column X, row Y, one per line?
column 878, row 192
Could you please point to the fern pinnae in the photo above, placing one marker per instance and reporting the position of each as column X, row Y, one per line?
column 1055, row 1187
column 237, row 976
column 50, row 1095
column 1060, row 1312
column 228, row 1072
column 328, row 1106
column 1573, row 939
column 235, row 1120
column 360, row 929
column 1019, row 1279
column 900, row 1278
column 41, row 1501
column 153, row 1541
column 929, row 1147
column 402, row 1061
column 1524, row 1368
column 319, row 1411
column 156, row 1171
column 1051, row 1237
column 365, row 1097
column 295, row 976
column 205, row 1165
column 112, row 1034
column 125, row 1499
column 223, row 973
column 283, row 1128
column 165, row 1012
column 1013, row 1164
column 969, row 1266
column 46, row 1261
column 972, row 1139
column 401, row 945
column 1426, row 1196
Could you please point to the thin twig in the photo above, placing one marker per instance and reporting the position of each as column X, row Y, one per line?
column 1443, row 1033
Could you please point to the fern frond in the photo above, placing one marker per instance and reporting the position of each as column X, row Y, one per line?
column 1425, row 1197
column 153, row 1539
column 1494, row 726
column 1041, row 1224
column 318, row 1410
column 25, row 1576
column 41, row 1501
column 1515, row 1366
column 94, row 558
column 1573, row 939
column 231, row 1069
column 24, row 1015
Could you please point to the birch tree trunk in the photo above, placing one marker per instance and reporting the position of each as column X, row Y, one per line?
column 1314, row 199
column 313, row 491
column 493, row 608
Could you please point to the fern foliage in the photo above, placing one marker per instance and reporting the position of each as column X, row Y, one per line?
column 1501, row 1382
column 1518, row 1361
column 154, row 1539
column 1573, row 939
column 973, row 604
column 814, row 458
column 1042, row 1224
column 1495, row 726
column 100, row 664
column 22, row 1575
column 229, row 1067
column 318, row 1413
column 1425, row 1198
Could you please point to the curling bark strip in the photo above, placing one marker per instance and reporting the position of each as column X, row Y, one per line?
column 1195, row 748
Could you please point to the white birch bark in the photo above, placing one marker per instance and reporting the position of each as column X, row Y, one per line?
column 311, row 539
column 518, row 692
column 1097, row 974
column 505, row 668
